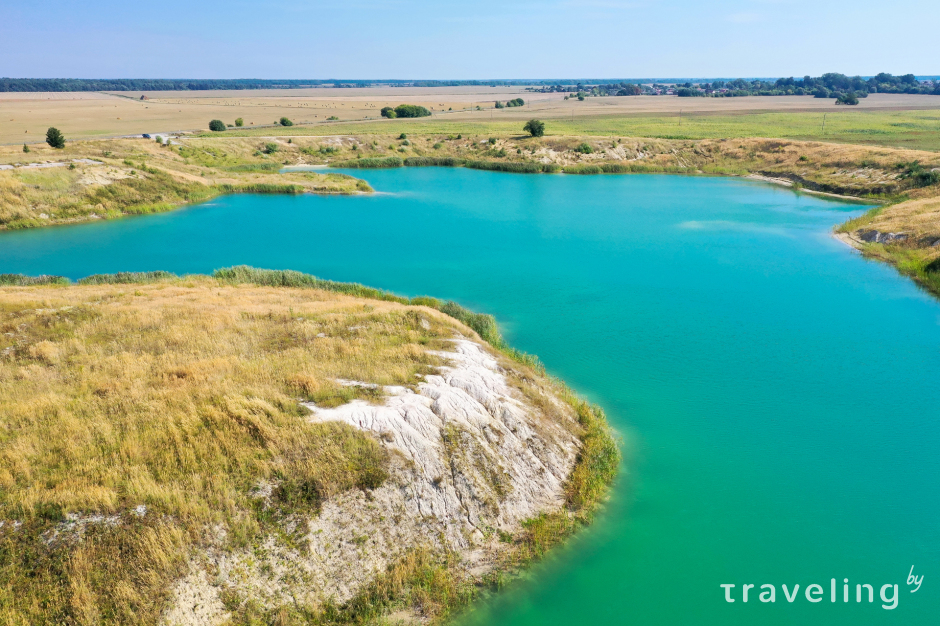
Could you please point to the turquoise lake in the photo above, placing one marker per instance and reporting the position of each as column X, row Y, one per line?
column 777, row 394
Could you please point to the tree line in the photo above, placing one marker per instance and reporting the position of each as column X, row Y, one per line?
column 831, row 85
column 146, row 84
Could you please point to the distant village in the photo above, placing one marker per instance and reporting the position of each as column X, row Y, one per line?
column 826, row 86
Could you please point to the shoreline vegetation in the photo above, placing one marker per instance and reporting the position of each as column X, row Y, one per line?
column 108, row 533
column 104, row 179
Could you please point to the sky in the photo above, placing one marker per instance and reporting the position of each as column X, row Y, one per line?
column 471, row 39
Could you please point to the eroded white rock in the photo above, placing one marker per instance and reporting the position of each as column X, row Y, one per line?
column 471, row 456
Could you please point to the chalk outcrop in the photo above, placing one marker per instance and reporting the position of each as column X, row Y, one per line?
column 874, row 236
column 472, row 456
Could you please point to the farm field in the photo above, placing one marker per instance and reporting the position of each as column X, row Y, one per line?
column 899, row 120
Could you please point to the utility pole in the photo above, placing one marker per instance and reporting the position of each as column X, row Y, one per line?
column 824, row 123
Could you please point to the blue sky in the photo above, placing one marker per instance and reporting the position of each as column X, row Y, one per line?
column 473, row 39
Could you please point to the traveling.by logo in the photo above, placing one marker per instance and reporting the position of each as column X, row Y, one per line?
column 864, row 592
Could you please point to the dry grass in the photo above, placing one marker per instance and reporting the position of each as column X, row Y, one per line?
column 180, row 396
column 919, row 217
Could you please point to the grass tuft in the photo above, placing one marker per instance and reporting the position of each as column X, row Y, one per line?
column 20, row 280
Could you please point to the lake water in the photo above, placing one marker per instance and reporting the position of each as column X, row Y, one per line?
column 777, row 394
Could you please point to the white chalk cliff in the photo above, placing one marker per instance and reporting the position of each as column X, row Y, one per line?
column 472, row 455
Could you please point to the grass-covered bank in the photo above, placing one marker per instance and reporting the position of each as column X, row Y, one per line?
column 109, row 179
column 102, row 503
column 132, row 176
column 904, row 233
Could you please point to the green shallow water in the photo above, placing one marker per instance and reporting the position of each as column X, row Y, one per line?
column 777, row 394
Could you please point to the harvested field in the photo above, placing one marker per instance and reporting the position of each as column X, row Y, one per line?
column 881, row 119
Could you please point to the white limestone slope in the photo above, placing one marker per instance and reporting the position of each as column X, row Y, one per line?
column 472, row 455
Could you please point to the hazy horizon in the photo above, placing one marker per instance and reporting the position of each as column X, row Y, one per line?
column 488, row 40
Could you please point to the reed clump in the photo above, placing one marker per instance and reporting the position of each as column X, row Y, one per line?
column 519, row 167
column 370, row 163
column 434, row 162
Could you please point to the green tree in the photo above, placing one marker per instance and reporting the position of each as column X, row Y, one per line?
column 847, row 98
column 217, row 125
column 411, row 110
column 239, row 121
column 25, row 148
column 534, row 128
column 286, row 122
column 389, row 112
column 55, row 138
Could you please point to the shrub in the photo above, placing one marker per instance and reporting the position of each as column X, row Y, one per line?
column 437, row 146
column 389, row 112
column 584, row 149
column 25, row 148
column 270, row 148
column 847, row 98
column 239, row 121
column 499, row 105
column 217, row 125
column 411, row 110
column 534, row 128
column 923, row 179
column 286, row 122
column 403, row 136
column 332, row 118
column 55, row 138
